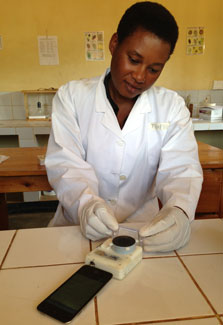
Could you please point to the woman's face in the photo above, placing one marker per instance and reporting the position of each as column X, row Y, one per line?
column 136, row 63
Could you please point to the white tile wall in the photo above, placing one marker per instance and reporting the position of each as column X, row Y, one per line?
column 41, row 130
column 12, row 105
column 7, row 131
column 6, row 112
column 25, row 133
column 17, row 98
column 197, row 97
column 5, row 98
column 18, row 113
column 27, row 143
column 217, row 96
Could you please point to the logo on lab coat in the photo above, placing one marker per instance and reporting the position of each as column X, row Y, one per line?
column 159, row 126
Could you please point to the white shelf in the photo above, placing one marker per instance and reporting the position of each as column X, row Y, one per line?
column 204, row 125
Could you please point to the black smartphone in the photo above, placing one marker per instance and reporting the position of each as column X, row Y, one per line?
column 68, row 300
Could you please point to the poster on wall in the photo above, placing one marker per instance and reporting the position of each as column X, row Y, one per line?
column 94, row 46
column 48, row 50
column 195, row 40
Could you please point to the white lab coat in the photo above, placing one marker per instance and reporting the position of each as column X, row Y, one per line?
column 153, row 155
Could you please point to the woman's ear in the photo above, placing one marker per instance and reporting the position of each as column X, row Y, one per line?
column 113, row 43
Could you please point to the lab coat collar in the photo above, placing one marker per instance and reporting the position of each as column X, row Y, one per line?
column 109, row 119
column 142, row 104
column 101, row 101
column 102, row 105
column 136, row 116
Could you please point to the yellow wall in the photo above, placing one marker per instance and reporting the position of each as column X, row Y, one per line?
column 22, row 21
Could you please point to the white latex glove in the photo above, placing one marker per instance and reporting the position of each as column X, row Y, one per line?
column 97, row 220
column 169, row 230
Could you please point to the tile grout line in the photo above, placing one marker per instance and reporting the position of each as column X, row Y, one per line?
column 96, row 310
column 95, row 298
column 170, row 320
column 219, row 319
column 197, row 285
column 36, row 266
column 154, row 321
column 90, row 245
column 201, row 254
column 7, row 251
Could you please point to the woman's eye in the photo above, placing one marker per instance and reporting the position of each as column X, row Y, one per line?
column 152, row 70
column 132, row 60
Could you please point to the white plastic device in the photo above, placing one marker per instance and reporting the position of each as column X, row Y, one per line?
column 118, row 260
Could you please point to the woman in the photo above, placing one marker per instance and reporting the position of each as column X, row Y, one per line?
column 118, row 144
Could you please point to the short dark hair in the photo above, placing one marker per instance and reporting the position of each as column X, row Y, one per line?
column 152, row 17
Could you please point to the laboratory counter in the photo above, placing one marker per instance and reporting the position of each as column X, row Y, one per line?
column 184, row 287
column 29, row 132
column 198, row 124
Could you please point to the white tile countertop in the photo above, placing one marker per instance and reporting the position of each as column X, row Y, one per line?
column 179, row 288
column 24, row 123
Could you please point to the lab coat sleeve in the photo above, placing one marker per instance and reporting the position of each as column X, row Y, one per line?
column 179, row 176
column 72, row 178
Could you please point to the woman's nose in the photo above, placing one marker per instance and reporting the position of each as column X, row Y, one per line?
column 139, row 75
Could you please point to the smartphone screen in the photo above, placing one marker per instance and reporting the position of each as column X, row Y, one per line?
column 68, row 300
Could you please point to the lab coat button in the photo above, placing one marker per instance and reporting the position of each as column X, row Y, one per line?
column 121, row 143
column 122, row 177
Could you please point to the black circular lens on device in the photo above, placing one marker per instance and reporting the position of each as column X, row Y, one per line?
column 123, row 241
